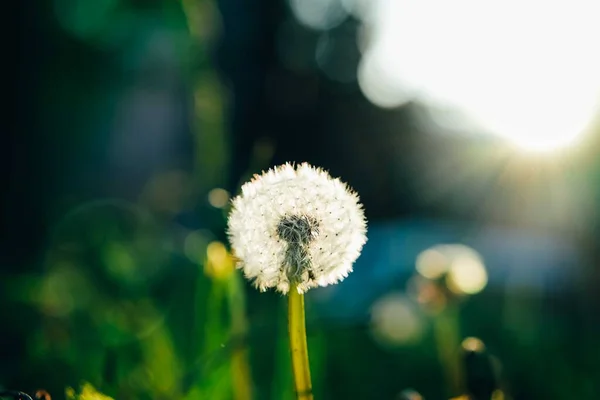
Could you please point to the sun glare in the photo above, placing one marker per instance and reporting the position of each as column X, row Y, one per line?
column 525, row 71
column 539, row 143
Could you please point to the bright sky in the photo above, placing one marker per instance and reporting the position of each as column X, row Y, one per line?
column 525, row 70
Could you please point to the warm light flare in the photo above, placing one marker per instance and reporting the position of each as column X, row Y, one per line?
column 524, row 71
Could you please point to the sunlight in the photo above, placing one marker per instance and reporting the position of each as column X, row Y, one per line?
column 523, row 71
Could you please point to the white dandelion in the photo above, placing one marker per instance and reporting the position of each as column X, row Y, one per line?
column 296, row 225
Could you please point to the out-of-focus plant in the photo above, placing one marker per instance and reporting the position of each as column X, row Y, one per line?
column 482, row 375
column 233, row 377
column 446, row 276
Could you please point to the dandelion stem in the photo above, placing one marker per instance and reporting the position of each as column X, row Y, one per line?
column 298, row 346
column 447, row 337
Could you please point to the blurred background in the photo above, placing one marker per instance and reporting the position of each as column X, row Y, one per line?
column 470, row 130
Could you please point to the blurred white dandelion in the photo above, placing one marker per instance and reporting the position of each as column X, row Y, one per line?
column 296, row 225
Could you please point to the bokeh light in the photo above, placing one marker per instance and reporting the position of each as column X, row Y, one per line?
column 467, row 275
column 218, row 197
column 433, row 263
column 318, row 14
column 360, row 9
column 533, row 84
column 462, row 267
column 473, row 344
column 395, row 320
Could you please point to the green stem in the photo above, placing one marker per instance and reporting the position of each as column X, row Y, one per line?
column 298, row 345
column 447, row 337
column 242, row 380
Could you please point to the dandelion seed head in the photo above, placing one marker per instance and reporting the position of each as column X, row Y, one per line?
column 296, row 223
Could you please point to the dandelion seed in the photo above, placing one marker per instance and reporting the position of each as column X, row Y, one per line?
column 296, row 226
